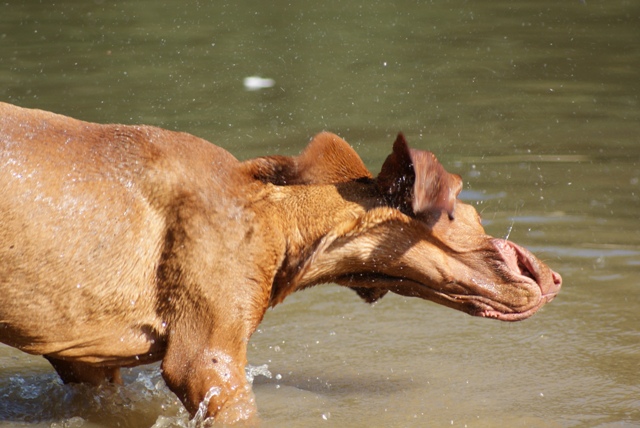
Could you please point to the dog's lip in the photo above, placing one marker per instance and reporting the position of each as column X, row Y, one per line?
column 514, row 316
column 524, row 267
column 474, row 305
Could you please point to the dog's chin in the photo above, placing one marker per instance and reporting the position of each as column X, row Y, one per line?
column 372, row 287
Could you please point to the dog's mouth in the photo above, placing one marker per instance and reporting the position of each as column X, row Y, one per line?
column 521, row 268
column 522, row 285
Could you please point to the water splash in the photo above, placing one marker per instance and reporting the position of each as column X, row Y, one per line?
column 143, row 400
column 181, row 418
column 23, row 389
column 200, row 417
column 74, row 422
column 42, row 397
column 253, row 371
column 509, row 230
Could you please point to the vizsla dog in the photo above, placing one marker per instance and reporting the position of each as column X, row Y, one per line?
column 124, row 245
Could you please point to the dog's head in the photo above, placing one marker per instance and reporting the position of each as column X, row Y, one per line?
column 416, row 239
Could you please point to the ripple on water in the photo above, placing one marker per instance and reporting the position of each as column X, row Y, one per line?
column 143, row 400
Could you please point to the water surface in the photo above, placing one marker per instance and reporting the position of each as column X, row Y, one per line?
column 534, row 103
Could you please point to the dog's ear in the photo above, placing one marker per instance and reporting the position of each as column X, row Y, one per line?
column 328, row 159
column 414, row 182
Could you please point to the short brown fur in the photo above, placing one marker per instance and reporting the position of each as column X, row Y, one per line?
column 123, row 245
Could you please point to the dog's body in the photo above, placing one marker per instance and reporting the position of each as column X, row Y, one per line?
column 124, row 245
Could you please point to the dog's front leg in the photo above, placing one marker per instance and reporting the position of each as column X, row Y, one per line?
column 198, row 367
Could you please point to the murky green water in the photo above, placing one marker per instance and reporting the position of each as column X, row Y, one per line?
column 535, row 103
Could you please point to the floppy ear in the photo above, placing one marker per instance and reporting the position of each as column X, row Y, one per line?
column 328, row 159
column 414, row 182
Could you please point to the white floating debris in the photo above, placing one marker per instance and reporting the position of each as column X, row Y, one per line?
column 254, row 83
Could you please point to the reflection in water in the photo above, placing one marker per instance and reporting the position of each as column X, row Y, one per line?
column 534, row 103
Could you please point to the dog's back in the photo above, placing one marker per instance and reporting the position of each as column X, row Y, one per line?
column 85, row 211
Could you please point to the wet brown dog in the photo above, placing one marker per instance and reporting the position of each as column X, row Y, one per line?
column 124, row 245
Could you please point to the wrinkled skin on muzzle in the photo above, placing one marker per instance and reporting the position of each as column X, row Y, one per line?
column 411, row 236
column 455, row 263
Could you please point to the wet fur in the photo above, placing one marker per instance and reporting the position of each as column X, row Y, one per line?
column 123, row 245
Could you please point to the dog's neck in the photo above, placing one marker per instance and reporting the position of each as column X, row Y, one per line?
column 309, row 219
